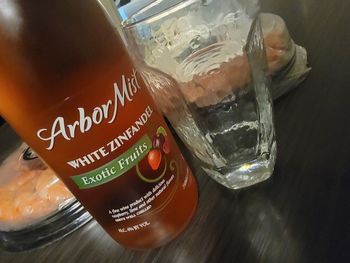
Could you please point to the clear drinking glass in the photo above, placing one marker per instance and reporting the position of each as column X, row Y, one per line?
column 205, row 64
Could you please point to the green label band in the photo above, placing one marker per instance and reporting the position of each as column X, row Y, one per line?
column 115, row 168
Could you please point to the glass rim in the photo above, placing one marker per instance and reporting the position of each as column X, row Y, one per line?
column 131, row 23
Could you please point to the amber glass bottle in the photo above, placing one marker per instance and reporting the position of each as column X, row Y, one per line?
column 69, row 89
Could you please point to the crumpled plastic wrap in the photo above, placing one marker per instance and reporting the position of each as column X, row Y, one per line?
column 29, row 190
column 287, row 62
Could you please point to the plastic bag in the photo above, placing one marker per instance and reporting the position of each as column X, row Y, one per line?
column 287, row 62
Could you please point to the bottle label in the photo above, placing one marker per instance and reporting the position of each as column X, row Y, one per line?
column 124, row 92
column 115, row 168
column 125, row 167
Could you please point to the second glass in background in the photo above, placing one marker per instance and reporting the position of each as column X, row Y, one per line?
column 205, row 64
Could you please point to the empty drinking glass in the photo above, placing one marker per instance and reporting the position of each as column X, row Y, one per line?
column 205, row 64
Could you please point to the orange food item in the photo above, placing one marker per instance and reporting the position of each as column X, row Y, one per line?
column 278, row 43
column 212, row 87
column 32, row 193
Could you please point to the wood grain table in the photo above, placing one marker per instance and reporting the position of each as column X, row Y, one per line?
column 302, row 214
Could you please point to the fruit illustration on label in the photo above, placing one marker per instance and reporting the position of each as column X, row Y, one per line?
column 154, row 159
column 158, row 141
column 162, row 131
column 161, row 141
column 166, row 146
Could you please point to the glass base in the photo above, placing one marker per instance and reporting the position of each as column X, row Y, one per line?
column 248, row 173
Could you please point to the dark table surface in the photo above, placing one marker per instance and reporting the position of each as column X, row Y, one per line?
column 302, row 214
